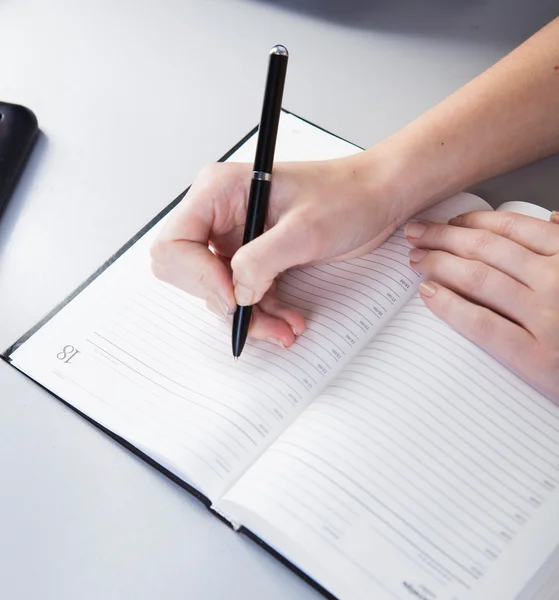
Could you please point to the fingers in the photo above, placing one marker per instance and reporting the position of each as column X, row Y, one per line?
column 195, row 269
column 213, row 208
column 495, row 334
column 215, row 203
column 538, row 236
column 475, row 279
column 272, row 320
column 268, row 328
column 273, row 306
column 477, row 244
column 256, row 265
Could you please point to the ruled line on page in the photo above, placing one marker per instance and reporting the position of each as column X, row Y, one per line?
column 427, row 535
column 450, row 472
column 369, row 444
column 195, row 314
column 550, row 410
column 258, row 491
column 189, row 449
column 399, row 491
column 395, row 397
column 445, row 413
column 246, row 408
column 397, row 458
column 190, row 390
column 397, row 340
column 259, row 396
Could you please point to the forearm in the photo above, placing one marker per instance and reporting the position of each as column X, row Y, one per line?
column 505, row 118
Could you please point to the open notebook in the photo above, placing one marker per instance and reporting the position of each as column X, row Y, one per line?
column 383, row 456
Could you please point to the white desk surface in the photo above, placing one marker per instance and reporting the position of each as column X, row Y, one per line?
column 133, row 97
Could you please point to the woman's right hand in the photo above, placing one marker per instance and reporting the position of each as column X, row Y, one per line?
column 318, row 211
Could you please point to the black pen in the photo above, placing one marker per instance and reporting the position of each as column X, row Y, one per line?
column 262, row 175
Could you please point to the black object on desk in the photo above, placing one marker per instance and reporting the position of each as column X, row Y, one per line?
column 262, row 175
column 18, row 131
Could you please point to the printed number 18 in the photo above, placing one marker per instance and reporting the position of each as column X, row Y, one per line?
column 67, row 354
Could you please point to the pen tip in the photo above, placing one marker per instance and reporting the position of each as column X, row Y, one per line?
column 235, row 358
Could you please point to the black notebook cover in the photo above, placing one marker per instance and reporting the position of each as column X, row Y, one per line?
column 6, row 356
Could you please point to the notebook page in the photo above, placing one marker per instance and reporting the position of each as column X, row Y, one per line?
column 152, row 365
column 545, row 583
column 526, row 208
column 425, row 469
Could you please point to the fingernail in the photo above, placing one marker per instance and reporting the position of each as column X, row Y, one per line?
column 243, row 295
column 426, row 288
column 554, row 217
column 417, row 255
column 455, row 220
column 223, row 306
column 415, row 230
column 275, row 341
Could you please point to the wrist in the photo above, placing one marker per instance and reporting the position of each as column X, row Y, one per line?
column 412, row 170
column 381, row 180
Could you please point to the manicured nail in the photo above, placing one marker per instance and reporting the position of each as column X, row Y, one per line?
column 417, row 255
column 415, row 230
column 554, row 217
column 455, row 220
column 223, row 306
column 427, row 289
column 243, row 295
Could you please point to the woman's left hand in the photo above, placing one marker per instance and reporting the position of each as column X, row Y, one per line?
column 494, row 278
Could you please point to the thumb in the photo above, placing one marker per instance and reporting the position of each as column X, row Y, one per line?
column 258, row 263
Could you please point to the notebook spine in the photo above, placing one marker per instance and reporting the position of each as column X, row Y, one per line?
column 225, row 518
